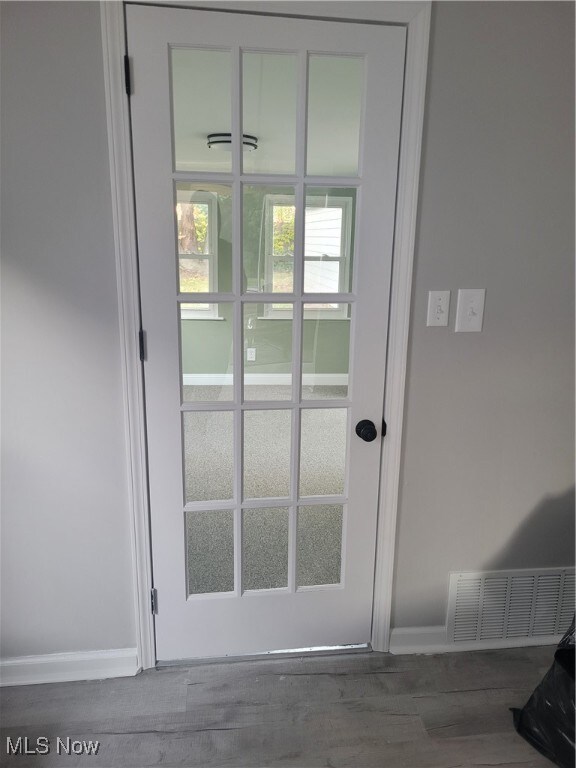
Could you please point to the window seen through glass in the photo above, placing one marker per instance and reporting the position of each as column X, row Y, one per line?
column 194, row 240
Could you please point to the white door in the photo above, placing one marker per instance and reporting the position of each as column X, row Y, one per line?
column 265, row 271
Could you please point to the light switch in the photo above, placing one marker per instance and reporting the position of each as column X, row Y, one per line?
column 470, row 310
column 438, row 307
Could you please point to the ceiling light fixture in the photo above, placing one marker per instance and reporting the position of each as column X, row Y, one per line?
column 224, row 141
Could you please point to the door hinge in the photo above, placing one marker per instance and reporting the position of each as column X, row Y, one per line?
column 127, row 78
column 154, row 601
column 142, row 344
column 384, row 428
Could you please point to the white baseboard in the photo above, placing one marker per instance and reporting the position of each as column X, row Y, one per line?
column 66, row 667
column 418, row 640
column 270, row 379
column 434, row 640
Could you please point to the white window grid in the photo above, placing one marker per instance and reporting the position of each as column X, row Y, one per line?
column 337, row 311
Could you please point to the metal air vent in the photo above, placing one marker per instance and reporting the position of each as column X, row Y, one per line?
column 494, row 605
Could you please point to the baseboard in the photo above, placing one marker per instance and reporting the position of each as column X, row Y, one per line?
column 434, row 640
column 66, row 667
column 265, row 379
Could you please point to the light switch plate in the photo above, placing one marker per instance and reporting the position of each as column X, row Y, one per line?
column 470, row 310
column 438, row 308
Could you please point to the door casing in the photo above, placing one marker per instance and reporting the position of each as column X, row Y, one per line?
column 416, row 18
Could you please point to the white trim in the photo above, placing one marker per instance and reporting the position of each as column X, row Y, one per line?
column 338, row 312
column 434, row 640
column 66, row 667
column 397, row 12
column 402, row 267
column 270, row 379
column 419, row 640
column 201, row 314
column 112, row 20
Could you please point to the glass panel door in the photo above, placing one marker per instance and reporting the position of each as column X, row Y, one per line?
column 265, row 179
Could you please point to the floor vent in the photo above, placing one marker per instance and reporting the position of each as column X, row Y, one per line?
column 494, row 605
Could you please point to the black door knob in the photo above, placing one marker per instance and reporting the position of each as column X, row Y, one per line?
column 366, row 430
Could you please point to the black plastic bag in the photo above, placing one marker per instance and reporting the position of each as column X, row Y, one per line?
column 547, row 719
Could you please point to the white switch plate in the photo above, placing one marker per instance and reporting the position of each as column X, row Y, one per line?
column 251, row 354
column 438, row 307
column 470, row 310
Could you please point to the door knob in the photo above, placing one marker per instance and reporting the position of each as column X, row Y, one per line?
column 366, row 430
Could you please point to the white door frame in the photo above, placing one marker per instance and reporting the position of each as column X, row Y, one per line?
column 415, row 16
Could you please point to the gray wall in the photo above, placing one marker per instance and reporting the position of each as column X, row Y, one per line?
column 66, row 563
column 488, row 469
column 488, row 463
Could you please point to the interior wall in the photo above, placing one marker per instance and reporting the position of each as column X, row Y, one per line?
column 66, row 562
column 488, row 465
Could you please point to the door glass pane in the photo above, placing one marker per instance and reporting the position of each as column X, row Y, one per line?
column 267, row 351
column 267, row 439
column 323, row 451
column 328, row 239
column 210, row 551
column 208, row 455
column 265, row 548
column 204, row 231
column 269, row 86
column 207, row 360
column 335, row 90
column 319, row 545
column 268, row 246
column 201, row 104
column 325, row 351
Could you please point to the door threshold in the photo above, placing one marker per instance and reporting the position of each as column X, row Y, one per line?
column 290, row 653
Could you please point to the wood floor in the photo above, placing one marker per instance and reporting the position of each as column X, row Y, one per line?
column 358, row 710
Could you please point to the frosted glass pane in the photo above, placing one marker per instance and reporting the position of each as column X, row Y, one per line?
column 265, row 548
column 335, row 89
column 319, row 545
column 325, row 351
column 328, row 239
column 204, row 232
column 268, row 244
column 267, row 351
column 201, row 104
column 323, row 451
column 210, row 551
column 267, row 440
column 206, row 348
column 269, row 111
column 208, row 455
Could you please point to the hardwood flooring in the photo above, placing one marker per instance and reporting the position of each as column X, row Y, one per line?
column 336, row 711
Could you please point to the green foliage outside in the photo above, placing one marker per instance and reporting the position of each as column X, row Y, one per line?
column 193, row 228
column 283, row 231
column 193, row 240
